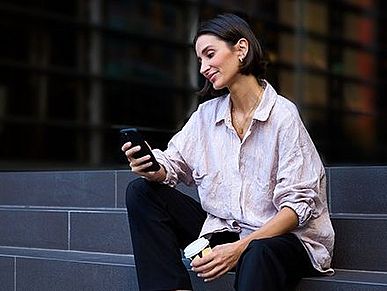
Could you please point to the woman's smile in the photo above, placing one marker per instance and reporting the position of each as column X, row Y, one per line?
column 212, row 77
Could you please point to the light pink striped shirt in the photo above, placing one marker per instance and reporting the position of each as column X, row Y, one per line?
column 243, row 184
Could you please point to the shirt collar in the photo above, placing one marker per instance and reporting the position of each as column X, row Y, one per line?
column 224, row 109
column 268, row 100
column 262, row 112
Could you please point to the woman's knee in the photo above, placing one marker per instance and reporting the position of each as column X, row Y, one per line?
column 258, row 248
column 135, row 191
column 265, row 252
column 258, row 268
column 258, row 253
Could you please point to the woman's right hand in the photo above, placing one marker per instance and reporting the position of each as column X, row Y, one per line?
column 139, row 165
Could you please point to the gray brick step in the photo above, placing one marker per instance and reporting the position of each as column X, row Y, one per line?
column 75, row 222
column 360, row 239
column 37, row 269
column 105, row 231
column 70, row 189
column 345, row 280
column 361, row 190
column 46, row 270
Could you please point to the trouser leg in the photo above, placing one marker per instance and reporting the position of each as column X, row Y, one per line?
column 162, row 221
column 276, row 263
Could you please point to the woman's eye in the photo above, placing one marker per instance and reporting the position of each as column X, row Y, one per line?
column 210, row 55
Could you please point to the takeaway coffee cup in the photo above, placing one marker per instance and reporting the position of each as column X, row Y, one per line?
column 197, row 248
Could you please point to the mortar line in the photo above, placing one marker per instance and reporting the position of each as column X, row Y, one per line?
column 68, row 230
column 115, row 189
column 14, row 273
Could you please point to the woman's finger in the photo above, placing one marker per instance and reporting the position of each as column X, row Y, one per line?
column 140, row 161
column 126, row 146
column 131, row 151
column 140, row 168
column 216, row 272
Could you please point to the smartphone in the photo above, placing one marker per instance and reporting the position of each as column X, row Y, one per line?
column 132, row 135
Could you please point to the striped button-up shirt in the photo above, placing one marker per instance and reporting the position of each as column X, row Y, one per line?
column 244, row 183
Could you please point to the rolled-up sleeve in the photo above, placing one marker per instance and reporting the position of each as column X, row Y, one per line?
column 171, row 176
column 175, row 166
column 176, row 158
column 303, row 210
column 299, row 173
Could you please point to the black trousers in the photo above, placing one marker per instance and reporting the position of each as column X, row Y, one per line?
column 163, row 221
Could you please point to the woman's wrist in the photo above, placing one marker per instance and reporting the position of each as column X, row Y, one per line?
column 160, row 175
column 242, row 245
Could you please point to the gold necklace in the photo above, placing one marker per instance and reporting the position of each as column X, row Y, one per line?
column 241, row 128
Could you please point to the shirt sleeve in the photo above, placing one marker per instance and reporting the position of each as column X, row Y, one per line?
column 174, row 158
column 299, row 173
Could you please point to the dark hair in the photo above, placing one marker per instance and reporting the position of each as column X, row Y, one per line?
column 231, row 28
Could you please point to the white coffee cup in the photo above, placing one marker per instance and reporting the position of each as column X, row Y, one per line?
column 197, row 248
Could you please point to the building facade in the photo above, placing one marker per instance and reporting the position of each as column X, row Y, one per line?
column 72, row 73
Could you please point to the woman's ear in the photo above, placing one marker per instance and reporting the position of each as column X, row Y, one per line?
column 242, row 47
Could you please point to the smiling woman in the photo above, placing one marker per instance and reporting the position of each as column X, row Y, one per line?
column 259, row 176
column 252, row 63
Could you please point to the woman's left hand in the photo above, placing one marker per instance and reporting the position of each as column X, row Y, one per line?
column 222, row 259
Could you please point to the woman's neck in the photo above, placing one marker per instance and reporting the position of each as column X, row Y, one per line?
column 245, row 93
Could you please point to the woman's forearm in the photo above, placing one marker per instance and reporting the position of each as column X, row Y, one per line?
column 283, row 222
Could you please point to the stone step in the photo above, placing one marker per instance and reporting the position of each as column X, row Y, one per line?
column 359, row 190
column 360, row 242
column 69, row 189
column 350, row 189
column 105, row 231
column 344, row 280
column 359, row 238
column 39, row 269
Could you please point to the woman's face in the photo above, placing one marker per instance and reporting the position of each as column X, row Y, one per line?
column 219, row 62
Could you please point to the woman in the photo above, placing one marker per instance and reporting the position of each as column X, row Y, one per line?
column 260, row 180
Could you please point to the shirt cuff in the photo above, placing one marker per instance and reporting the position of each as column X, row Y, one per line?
column 302, row 209
column 171, row 177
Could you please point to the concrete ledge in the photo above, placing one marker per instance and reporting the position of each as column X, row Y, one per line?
column 93, row 230
column 346, row 280
column 359, row 190
column 38, row 269
column 360, row 241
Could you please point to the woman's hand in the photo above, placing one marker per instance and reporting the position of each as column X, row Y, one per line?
column 225, row 257
column 139, row 165
column 221, row 260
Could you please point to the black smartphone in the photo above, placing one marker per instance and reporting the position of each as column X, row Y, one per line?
column 132, row 135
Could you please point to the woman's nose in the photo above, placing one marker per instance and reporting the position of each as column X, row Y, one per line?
column 204, row 67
